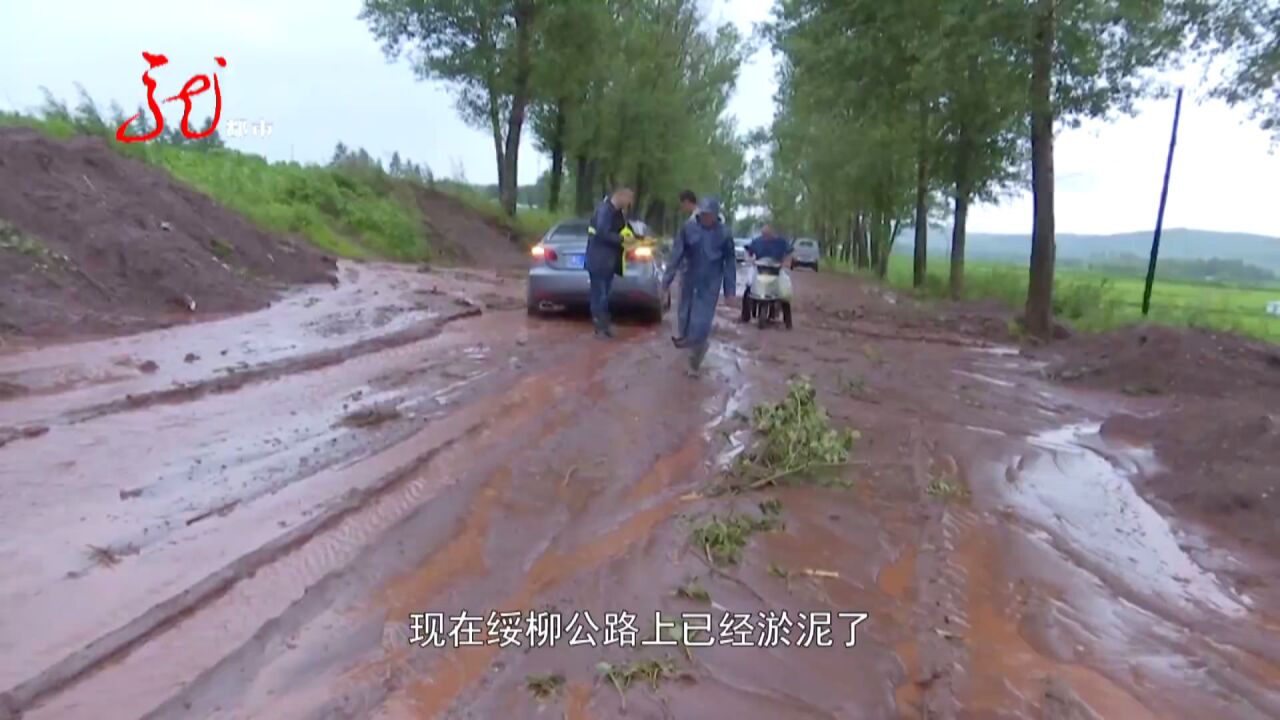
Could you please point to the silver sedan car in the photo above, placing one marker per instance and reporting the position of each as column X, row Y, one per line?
column 558, row 275
column 805, row 253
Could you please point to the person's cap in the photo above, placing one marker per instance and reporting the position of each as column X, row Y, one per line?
column 709, row 205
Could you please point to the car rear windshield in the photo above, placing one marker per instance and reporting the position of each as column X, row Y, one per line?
column 569, row 232
column 806, row 243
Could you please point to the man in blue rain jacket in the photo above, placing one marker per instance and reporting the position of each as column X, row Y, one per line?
column 688, row 206
column 703, row 248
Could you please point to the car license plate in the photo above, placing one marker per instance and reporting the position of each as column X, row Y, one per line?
column 577, row 262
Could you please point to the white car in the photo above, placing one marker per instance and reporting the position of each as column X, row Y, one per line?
column 740, row 249
column 805, row 253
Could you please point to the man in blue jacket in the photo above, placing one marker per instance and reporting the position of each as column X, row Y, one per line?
column 688, row 206
column 767, row 245
column 703, row 248
column 605, row 236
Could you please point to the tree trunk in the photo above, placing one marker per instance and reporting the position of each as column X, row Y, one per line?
column 500, row 154
column 656, row 216
column 919, row 269
column 964, row 192
column 586, row 182
column 508, row 181
column 1039, row 309
column 956, row 284
column 889, row 232
column 880, row 245
column 557, row 161
column 864, row 242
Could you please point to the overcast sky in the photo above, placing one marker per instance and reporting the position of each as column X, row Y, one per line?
column 313, row 71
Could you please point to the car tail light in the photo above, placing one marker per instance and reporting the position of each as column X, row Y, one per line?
column 541, row 252
column 640, row 253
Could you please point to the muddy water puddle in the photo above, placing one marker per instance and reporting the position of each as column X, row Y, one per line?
column 1096, row 599
column 373, row 308
column 1075, row 486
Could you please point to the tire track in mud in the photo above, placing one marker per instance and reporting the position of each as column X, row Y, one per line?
column 1006, row 621
column 268, row 371
column 968, row 654
column 554, row 549
column 163, row 615
column 517, row 409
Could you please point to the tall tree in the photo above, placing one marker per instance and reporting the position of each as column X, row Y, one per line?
column 484, row 48
column 340, row 153
column 564, row 67
column 1039, row 309
column 1088, row 59
column 984, row 99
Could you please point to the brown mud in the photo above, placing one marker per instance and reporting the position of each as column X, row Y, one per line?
column 256, row 549
column 466, row 237
column 92, row 242
column 1209, row 405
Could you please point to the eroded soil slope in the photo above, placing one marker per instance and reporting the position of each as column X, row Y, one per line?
column 92, row 242
column 466, row 237
column 1209, row 403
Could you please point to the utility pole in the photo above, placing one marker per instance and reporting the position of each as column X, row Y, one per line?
column 1164, row 195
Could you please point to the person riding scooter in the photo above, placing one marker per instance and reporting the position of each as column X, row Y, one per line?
column 767, row 245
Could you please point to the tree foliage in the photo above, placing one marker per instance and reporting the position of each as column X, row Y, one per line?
column 616, row 91
column 484, row 49
column 1249, row 30
column 888, row 110
column 643, row 104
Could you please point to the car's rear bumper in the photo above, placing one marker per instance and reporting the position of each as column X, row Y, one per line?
column 567, row 287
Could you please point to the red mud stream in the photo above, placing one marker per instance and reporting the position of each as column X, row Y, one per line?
column 262, row 544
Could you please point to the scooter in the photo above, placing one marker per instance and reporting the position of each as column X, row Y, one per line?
column 763, row 298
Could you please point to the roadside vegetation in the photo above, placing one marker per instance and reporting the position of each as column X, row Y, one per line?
column 354, row 206
column 346, row 208
column 897, row 115
column 1099, row 300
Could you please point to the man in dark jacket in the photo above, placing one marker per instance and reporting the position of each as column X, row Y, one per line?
column 771, row 246
column 605, row 236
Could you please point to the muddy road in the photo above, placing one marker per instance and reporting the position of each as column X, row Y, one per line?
column 403, row 498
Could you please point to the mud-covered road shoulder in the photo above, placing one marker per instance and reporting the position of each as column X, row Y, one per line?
column 1208, row 404
column 923, row 526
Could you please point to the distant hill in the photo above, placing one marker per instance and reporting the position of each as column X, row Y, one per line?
column 1178, row 243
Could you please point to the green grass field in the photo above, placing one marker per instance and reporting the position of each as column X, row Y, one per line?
column 1091, row 301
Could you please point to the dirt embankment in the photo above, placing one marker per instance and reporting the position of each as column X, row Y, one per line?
column 1208, row 403
column 94, row 242
column 465, row 236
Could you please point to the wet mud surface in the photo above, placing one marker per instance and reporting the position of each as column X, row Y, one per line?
column 403, row 498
